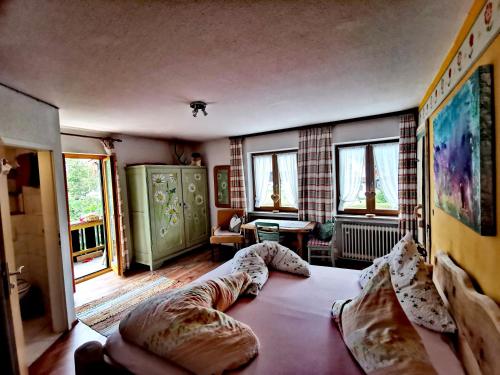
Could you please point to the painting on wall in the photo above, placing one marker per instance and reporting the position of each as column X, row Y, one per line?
column 464, row 166
column 222, row 185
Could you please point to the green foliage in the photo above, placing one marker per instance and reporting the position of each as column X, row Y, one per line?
column 84, row 187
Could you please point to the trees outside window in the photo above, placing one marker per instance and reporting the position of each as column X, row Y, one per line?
column 367, row 178
column 84, row 188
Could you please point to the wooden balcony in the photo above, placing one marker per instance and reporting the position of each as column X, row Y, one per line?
column 87, row 237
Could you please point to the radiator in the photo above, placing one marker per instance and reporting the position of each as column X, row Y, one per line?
column 365, row 241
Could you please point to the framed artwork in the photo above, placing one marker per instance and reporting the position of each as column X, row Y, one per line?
column 464, row 166
column 222, row 183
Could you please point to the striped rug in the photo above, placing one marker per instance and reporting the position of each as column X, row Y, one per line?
column 104, row 314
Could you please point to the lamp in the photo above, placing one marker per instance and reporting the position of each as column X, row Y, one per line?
column 197, row 106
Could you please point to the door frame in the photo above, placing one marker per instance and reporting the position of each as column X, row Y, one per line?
column 61, row 292
column 114, row 189
column 8, row 350
column 107, row 225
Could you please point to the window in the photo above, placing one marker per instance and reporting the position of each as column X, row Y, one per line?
column 275, row 181
column 367, row 178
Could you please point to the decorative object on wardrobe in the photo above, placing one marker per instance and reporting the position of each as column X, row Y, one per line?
column 179, row 155
column 168, row 210
column 196, row 159
column 222, row 184
column 198, row 106
column 464, row 169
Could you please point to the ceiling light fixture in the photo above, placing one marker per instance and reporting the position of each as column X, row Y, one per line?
column 198, row 106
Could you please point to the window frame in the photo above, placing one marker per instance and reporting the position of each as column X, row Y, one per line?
column 276, row 181
column 370, row 180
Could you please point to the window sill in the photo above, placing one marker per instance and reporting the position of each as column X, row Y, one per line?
column 389, row 219
column 270, row 214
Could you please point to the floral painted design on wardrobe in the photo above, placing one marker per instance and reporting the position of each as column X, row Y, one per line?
column 166, row 201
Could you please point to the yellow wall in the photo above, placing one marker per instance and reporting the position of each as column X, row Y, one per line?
column 478, row 255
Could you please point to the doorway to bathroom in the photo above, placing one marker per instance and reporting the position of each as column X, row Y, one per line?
column 89, row 187
column 29, row 231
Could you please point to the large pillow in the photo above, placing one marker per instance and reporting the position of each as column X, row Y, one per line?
column 378, row 333
column 187, row 326
column 412, row 281
column 255, row 260
column 404, row 249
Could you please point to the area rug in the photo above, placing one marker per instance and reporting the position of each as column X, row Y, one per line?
column 104, row 314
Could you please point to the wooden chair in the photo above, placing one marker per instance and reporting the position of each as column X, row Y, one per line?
column 267, row 232
column 317, row 249
column 221, row 233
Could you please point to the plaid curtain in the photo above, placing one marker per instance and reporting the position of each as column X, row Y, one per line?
column 122, row 237
column 238, row 194
column 407, row 176
column 315, row 174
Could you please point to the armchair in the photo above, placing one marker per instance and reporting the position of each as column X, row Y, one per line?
column 221, row 233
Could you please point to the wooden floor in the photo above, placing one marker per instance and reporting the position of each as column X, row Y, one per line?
column 59, row 358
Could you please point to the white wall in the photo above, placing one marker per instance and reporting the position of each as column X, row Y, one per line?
column 216, row 152
column 27, row 122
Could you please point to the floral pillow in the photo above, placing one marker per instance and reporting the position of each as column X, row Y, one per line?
column 188, row 327
column 378, row 333
column 421, row 300
column 255, row 260
column 235, row 224
column 403, row 249
column 412, row 282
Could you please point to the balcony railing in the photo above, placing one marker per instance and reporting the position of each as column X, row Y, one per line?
column 87, row 237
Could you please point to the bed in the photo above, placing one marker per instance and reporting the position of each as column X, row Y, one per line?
column 291, row 317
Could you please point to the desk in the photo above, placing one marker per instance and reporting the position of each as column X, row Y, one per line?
column 287, row 226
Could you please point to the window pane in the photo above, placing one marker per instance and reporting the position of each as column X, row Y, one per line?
column 386, row 175
column 263, row 178
column 287, row 166
column 352, row 178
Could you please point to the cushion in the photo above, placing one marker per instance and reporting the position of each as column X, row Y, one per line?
column 378, row 333
column 187, row 326
column 222, row 232
column 325, row 231
column 255, row 260
column 412, row 281
column 235, row 224
column 314, row 242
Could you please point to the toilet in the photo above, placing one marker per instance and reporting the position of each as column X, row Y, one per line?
column 23, row 287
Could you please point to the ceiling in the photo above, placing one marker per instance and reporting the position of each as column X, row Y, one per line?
column 130, row 66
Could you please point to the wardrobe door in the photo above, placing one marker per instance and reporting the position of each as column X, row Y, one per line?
column 166, row 215
column 194, row 191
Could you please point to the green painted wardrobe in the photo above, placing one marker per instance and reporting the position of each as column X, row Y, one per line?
column 168, row 208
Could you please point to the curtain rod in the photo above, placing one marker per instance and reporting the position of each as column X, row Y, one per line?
column 413, row 111
column 91, row 136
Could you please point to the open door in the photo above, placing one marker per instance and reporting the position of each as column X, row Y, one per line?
column 110, row 199
column 94, row 223
column 10, row 309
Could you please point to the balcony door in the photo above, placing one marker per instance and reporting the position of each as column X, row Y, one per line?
column 91, row 192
